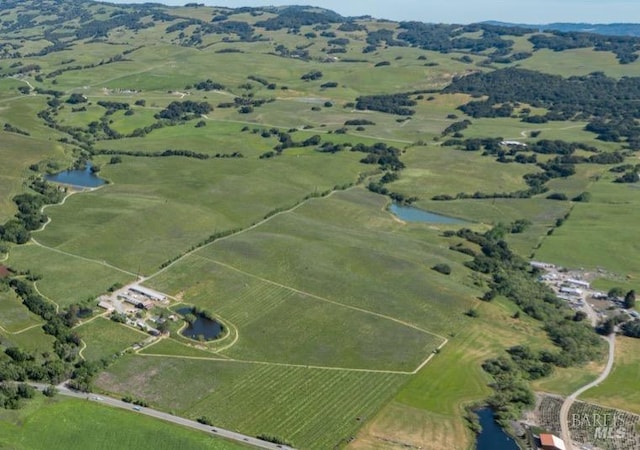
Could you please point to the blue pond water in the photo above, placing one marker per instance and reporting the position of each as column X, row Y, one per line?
column 82, row 178
column 411, row 214
column 208, row 329
column 492, row 436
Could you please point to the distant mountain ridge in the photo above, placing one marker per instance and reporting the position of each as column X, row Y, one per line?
column 609, row 29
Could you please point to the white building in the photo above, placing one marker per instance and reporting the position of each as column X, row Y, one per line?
column 579, row 283
column 154, row 295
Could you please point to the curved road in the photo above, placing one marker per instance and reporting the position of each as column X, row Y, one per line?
column 566, row 406
column 212, row 430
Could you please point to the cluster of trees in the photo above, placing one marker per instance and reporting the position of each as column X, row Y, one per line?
column 311, row 76
column 605, row 102
column 358, row 122
column 631, row 328
column 379, row 188
column 112, row 107
column 29, row 216
column 387, row 157
column 629, row 177
column 13, row 129
column 246, row 103
column 294, row 17
column 208, row 85
column 182, row 111
column 399, row 104
column 456, row 127
column 12, row 394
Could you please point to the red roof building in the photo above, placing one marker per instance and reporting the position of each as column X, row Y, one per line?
column 551, row 442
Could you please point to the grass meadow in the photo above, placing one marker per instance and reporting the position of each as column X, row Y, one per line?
column 13, row 315
column 82, row 425
column 619, row 389
column 66, row 279
column 104, row 338
column 31, row 339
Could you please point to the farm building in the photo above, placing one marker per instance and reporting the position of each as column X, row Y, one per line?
column 571, row 291
column 579, row 283
column 153, row 295
column 516, row 143
column 106, row 305
column 551, row 442
column 142, row 304
column 541, row 265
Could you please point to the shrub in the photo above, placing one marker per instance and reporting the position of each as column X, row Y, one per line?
column 442, row 268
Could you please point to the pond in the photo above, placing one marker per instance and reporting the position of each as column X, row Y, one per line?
column 411, row 214
column 492, row 437
column 201, row 327
column 77, row 177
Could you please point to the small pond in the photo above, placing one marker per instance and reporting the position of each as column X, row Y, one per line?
column 201, row 327
column 77, row 177
column 411, row 214
column 492, row 437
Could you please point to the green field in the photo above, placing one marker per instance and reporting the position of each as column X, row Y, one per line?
column 79, row 424
column 618, row 389
column 588, row 232
column 104, row 338
column 66, row 278
column 14, row 317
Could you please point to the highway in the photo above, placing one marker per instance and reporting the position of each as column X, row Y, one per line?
column 212, row 430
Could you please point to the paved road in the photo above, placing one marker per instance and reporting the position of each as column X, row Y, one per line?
column 213, row 430
column 566, row 406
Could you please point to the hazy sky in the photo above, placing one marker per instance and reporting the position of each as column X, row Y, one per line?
column 461, row 11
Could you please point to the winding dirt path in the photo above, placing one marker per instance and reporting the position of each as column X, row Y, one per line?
column 566, row 406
